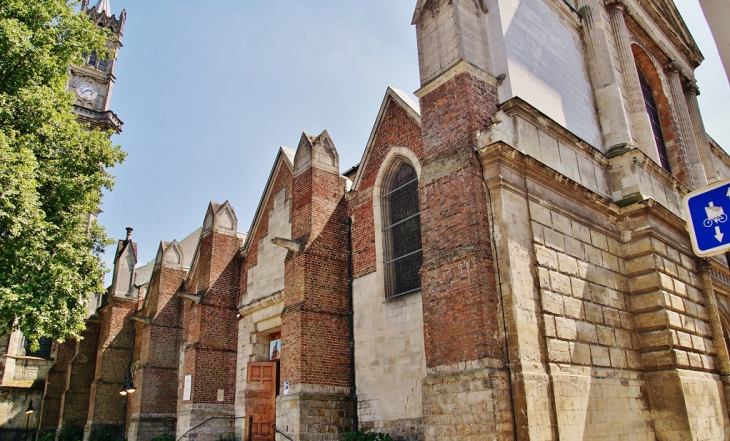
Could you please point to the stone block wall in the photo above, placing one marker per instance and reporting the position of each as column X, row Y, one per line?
column 390, row 363
column 390, row 360
column 267, row 275
column 315, row 413
column 625, row 332
column 262, row 280
column 467, row 400
column 553, row 78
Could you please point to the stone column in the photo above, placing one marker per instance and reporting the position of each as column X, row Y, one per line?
column 609, row 101
column 722, row 358
column 637, row 107
column 697, row 172
column 691, row 91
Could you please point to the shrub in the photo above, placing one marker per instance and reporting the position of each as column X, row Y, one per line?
column 364, row 435
column 70, row 431
column 105, row 433
column 165, row 437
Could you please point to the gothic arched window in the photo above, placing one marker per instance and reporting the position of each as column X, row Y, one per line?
column 403, row 254
column 656, row 126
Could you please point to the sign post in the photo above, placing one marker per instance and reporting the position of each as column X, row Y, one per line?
column 707, row 211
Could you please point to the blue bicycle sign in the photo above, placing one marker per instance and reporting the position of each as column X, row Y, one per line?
column 706, row 212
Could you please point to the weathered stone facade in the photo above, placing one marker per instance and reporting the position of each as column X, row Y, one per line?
column 557, row 295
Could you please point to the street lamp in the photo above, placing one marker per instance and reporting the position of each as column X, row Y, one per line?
column 128, row 386
column 27, row 418
column 126, row 390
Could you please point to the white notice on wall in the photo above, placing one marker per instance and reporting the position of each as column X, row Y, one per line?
column 221, row 396
column 187, row 387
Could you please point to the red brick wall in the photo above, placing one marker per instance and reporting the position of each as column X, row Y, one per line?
column 56, row 386
column 316, row 194
column 157, row 345
column 397, row 130
column 315, row 338
column 460, row 299
column 112, row 360
column 211, row 327
column 82, row 371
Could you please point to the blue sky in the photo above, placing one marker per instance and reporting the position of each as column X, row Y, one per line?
column 208, row 94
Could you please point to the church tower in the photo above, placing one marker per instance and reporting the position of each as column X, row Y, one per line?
column 93, row 82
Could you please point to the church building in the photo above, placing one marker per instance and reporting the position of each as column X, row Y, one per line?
column 508, row 261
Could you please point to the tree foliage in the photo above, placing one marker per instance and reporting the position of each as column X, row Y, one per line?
column 52, row 171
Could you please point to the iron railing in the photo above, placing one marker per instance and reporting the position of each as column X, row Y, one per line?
column 205, row 422
column 273, row 426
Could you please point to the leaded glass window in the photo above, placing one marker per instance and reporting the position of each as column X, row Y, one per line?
column 401, row 230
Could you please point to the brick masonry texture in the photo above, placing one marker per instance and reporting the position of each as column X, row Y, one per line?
column 559, row 295
column 457, row 261
column 397, row 129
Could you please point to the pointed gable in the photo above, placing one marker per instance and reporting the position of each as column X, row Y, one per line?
column 262, row 273
column 396, row 133
column 392, row 97
column 666, row 16
column 279, row 177
column 220, row 218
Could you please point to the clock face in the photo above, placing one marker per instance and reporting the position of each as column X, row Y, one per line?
column 86, row 91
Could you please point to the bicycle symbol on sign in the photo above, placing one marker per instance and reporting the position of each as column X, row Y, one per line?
column 714, row 215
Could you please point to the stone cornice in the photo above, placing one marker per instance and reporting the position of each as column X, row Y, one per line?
column 105, row 120
column 518, row 107
column 509, row 168
column 259, row 304
column 457, row 68
column 650, row 16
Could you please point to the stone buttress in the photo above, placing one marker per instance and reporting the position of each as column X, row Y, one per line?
column 152, row 409
column 206, row 383
column 464, row 334
column 315, row 352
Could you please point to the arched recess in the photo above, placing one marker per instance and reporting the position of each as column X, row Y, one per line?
column 664, row 127
column 395, row 157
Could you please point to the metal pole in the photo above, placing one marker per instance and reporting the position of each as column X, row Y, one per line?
column 124, row 417
column 27, row 422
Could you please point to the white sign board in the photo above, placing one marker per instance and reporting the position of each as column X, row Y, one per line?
column 187, row 387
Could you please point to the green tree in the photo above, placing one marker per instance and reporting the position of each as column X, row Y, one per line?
column 52, row 171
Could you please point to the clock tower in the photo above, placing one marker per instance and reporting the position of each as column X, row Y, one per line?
column 93, row 81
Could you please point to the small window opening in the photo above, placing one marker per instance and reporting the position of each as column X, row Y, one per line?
column 92, row 60
column 44, row 348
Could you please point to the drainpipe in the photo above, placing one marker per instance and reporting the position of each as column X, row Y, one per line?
column 353, row 388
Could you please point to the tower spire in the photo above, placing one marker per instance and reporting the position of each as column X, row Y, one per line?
column 103, row 6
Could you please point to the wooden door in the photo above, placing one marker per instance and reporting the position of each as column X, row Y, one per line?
column 261, row 399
